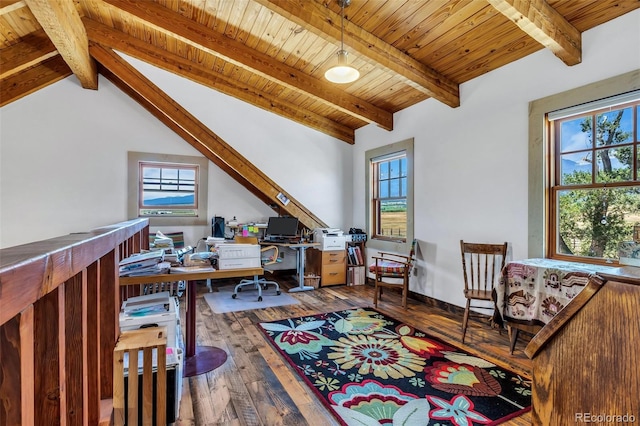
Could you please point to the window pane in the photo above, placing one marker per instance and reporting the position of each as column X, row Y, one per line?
column 614, row 127
column 575, row 134
column 394, row 185
column 169, row 174
column 167, row 198
column 593, row 221
column 383, row 189
column 403, row 187
column 151, row 172
column 189, row 175
column 393, row 218
column 394, row 168
column 575, row 168
column 384, row 170
column 614, row 164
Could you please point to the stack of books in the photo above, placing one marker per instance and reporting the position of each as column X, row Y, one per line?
column 355, row 255
column 144, row 264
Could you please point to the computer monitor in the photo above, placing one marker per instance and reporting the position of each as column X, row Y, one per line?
column 282, row 227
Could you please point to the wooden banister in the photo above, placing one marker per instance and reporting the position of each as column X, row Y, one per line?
column 59, row 304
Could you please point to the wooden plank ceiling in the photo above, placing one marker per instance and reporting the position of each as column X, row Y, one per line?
column 274, row 53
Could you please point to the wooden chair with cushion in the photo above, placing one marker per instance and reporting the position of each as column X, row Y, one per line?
column 266, row 259
column 392, row 270
column 481, row 266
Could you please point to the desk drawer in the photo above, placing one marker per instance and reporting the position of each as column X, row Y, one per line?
column 333, row 257
column 333, row 274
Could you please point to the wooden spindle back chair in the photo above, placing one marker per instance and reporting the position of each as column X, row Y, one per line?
column 481, row 266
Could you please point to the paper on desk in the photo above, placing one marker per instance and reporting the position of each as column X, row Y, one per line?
column 188, row 269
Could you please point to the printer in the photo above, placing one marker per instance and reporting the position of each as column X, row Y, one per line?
column 329, row 239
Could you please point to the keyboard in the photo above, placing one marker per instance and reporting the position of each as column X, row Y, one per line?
column 278, row 239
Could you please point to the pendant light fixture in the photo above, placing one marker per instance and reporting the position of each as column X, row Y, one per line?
column 342, row 73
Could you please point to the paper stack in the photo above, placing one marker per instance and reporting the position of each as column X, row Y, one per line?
column 144, row 264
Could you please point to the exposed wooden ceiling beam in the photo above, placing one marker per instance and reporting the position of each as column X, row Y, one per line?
column 153, row 55
column 61, row 21
column 198, row 135
column 33, row 49
column 200, row 36
column 18, row 85
column 7, row 6
column 545, row 25
column 320, row 20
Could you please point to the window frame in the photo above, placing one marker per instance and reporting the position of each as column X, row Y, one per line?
column 556, row 186
column 539, row 155
column 375, row 241
column 135, row 182
column 142, row 181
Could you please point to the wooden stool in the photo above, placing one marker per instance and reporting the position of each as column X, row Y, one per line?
column 134, row 341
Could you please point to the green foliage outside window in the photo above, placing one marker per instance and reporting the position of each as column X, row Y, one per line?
column 593, row 220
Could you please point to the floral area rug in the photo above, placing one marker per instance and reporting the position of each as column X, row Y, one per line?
column 370, row 369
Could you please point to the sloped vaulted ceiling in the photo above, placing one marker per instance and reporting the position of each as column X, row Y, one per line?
column 273, row 53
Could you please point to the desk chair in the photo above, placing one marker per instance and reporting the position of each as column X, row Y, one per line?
column 481, row 267
column 396, row 267
column 259, row 283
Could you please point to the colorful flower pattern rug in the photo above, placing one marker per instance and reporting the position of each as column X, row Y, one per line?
column 370, row 369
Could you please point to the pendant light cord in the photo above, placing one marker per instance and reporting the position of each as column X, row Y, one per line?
column 342, row 26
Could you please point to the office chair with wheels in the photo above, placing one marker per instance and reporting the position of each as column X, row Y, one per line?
column 481, row 267
column 258, row 283
column 392, row 270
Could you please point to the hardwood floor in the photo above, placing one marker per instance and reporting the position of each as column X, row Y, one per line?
column 256, row 386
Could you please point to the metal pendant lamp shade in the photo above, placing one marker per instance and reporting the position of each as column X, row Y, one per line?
column 342, row 72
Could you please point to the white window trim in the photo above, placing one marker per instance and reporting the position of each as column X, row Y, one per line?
column 133, row 160
column 538, row 143
column 383, row 245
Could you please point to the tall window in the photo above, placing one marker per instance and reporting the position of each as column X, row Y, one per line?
column 594, row 185
column 168, row 189
column 390, row 195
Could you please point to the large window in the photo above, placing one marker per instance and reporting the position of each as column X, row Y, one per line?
column 390, row 189
column 168, row 189
column 389, row 201
column 594, row 184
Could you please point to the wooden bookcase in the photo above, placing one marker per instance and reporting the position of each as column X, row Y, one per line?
column 356, row 265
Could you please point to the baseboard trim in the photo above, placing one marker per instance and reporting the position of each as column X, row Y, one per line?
column 435, row 303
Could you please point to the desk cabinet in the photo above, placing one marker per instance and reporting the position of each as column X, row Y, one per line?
column 585, row 360
column 331, row 266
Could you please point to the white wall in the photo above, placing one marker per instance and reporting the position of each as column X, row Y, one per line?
column 471, row 162
column 63, row 162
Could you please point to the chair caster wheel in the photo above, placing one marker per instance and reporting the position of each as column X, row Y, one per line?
column 259, row 298
column 278, row 293
column 233, row 296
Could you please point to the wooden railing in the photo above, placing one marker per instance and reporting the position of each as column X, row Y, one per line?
column 59, row 305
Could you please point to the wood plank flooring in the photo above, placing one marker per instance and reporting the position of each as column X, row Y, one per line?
column 256, row 386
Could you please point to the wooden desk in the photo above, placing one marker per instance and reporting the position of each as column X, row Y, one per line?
column 531, row 292
column 585, row 359
column 300, row 261
column 198, row 359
